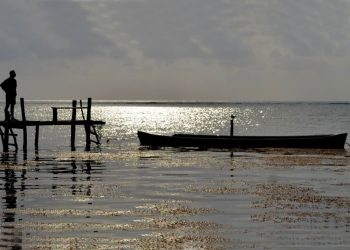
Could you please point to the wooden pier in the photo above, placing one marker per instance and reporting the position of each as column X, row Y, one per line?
column 7, row 127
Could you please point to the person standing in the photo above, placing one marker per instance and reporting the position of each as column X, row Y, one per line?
column 10, row 88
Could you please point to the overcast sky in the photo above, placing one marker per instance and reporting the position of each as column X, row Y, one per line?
column 204, row 50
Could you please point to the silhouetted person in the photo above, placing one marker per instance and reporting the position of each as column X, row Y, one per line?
column 10, row 88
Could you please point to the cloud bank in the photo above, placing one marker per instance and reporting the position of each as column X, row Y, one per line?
column 183, row 49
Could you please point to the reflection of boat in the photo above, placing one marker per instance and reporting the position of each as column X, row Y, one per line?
column 331, row 141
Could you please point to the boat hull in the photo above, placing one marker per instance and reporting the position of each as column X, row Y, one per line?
column 336, row 141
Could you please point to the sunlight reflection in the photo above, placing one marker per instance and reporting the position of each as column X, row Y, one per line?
column 125, row 120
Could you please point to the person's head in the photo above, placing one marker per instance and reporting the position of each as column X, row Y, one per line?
column 12, row 74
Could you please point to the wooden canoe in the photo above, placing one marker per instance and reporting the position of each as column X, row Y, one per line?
column 330, row 141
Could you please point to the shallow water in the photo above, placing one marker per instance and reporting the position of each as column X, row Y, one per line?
column 125, row 196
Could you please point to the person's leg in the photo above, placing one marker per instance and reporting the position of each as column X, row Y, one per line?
column 12, row 110
column 6, row 111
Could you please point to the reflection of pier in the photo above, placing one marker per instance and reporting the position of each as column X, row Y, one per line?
column 6, row 127
column 11, row 236
column 19, row 189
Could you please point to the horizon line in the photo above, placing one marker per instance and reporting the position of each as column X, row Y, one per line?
column 132, row 101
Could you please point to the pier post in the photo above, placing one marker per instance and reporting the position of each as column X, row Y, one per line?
column 74, row 116
column 6, row 139
column 36, row 137
column 24, row 126
column 232, row 125
column 54, row 114
column 87, row 125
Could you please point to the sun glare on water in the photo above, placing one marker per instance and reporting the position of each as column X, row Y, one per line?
column 168, row 119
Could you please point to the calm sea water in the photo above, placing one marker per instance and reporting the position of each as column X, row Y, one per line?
column 123, row 196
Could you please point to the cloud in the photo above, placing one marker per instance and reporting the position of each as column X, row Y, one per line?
column 234, row 33
column 47, row 29
column 250, row 44
column 313, row 28
column 231, row 32
column 171, row 30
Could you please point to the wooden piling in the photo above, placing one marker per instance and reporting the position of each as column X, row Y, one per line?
column 88, row 114
column 88, row 125
column 74, row 116
column 6, row 139
column 24, row 126
column 232, row 125
column 37, row 137
column 54, row 114
column 231, row 130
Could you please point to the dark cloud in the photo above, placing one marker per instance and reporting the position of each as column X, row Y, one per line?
column 252, row 44
column 47, row 29
column 312, row 28
column 232, row 32
column 68, row 21
column 181, row 29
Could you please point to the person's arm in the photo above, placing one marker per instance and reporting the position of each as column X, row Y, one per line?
column 3, row 85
